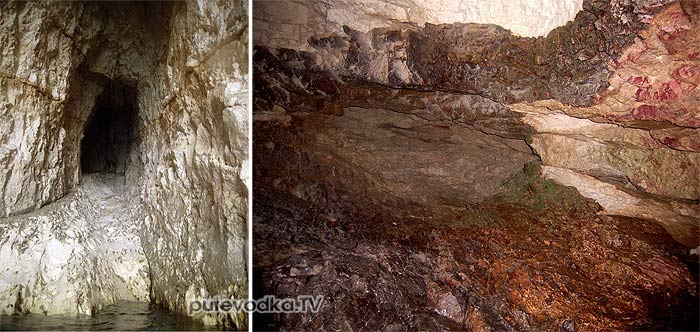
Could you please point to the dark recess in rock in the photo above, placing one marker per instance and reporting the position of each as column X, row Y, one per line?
column 110, row 130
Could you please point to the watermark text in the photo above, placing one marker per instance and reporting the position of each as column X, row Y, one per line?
column 264, row 305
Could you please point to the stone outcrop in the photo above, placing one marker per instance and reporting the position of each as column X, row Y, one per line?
column 570, row 64
column 187, row 65
column 426, row 147
column 641, row 134
column 75, row 255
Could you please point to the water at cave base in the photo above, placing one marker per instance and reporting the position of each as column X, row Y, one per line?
column 123, row 316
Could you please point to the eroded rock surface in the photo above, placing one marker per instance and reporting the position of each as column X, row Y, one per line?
column 187, row 63
column 629, row 121
column 642, row 134
column 290, row 23
column 537, row 257
column 347, row 184
column 75, row 255
column 570, row 64
column 384, row 153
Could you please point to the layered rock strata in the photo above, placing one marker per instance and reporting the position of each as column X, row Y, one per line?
column 289, row 24
column 386, row 156
column 624, row 114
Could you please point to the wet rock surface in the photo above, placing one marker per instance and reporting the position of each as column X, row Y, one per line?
column 122, row 316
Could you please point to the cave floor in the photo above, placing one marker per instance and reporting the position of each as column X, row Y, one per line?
column 538, row 257
column 85, row 243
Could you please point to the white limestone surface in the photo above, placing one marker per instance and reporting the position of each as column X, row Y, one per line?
column 281, row 23
column 75, row 255
column 186, row 177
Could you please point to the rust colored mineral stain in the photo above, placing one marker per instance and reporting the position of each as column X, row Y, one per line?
column 539, row 259
column 534, row 257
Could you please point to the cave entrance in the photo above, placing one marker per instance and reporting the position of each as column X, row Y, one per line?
column 109, row 131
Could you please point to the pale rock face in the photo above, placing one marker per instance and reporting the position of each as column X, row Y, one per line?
column 289, row 24
column 184, row 181
column 619, row 167
column 193, row 177
column 679, row 219
column 627, row 156
column 75, row 255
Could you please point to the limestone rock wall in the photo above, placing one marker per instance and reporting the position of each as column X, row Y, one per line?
column 187, row 62
column 75, row 255
column 33, row 87
column 290, row 23
column 194, row 188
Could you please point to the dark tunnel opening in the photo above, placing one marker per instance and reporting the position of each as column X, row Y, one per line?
column 110, row 130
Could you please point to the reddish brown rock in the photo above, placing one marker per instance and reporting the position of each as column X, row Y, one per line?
column 383, row 163
column 537, row 258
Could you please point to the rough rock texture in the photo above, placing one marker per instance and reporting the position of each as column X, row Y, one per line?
column 387, row 220
column 187, row 64
column 290, row 23
column 287, row 79
column 382, row 153
column 678, row 218
column 75, row 255
column 642, row 134
column 628, row 158
column 570, row 64
column 194, row 190
column 611, row 151
column 426, row 147
column 535, row 258
column 625, row 113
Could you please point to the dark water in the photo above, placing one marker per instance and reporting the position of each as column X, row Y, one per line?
column 124, row 316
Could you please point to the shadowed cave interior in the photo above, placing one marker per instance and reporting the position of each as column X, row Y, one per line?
column 109, row 131
column 434, row 177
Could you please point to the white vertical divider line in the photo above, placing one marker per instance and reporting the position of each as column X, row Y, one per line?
column 250, row 158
